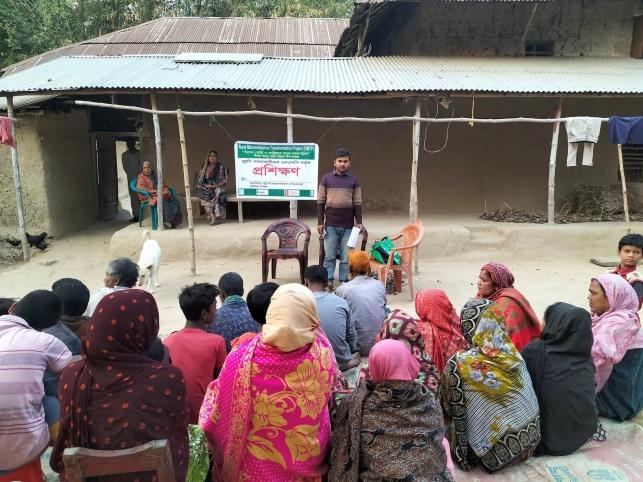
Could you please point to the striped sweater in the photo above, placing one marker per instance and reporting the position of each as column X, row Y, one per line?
column 339, row 200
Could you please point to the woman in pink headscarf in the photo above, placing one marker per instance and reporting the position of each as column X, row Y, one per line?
column 391, row 427
column 439, row 326
column 617, row 346
column 496, row 283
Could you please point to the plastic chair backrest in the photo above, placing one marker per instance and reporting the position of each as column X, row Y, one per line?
column 132, row 186
column 288, row 231
column 412, row 235
column 81, row 463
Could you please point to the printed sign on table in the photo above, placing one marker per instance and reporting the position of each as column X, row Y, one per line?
column 276, row 170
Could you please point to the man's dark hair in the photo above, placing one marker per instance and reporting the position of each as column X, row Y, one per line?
column 316, row 274
column 342, row 152
column 196, row 298
column 73, row 293
column 5, row 304
column 130, row 142
column 258, row 300
column 231, row 284
column 631, row 240
column 41, row 309
column 124, row 270
column 215, row 152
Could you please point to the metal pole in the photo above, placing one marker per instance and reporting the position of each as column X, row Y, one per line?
column 413, row 204
column 552, row 165
column 15, row 162
column 624, row 187
column 159, row 162
column 186, row 181
column 289, row 139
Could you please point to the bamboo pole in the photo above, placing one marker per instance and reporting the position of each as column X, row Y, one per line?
column 15, row 162
column 290, row 136
column 624, row 187
column 551, row 187
column 413, row 202
column 186, row 181
column 159, row 162
column 375, row 120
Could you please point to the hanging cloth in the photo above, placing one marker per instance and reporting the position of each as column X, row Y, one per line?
column 582, row 130
column 6, row 132
column 625, row 130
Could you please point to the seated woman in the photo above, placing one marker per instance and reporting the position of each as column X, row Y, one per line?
column 172, row 215
column 439, row 325
column 118, row 398
column 488, row 396
column 266, row 416
column 496, row 283
column 211, row 187
column 562, row 372
column 401, row 326
column 390, row 428
column 366, row 298
column 618, row 347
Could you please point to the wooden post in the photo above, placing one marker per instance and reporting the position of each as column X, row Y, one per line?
column 413, row 203
column 15, row 162
column 552, row 165
column 186, row 181
column 624, row 187
column 289, row 139
column 159, row 162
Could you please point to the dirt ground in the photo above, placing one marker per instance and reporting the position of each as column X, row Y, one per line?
column 544, row 273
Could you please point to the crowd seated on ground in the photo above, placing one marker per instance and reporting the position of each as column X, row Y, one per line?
column 299, row 383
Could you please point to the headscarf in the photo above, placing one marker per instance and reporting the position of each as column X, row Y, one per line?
column 128, row 398
column 618, row 329
column 489, row 396
column 392, row 360
column 359, row 261
column 291, row 320
column 561, row 369
column 402, row 327
column 470, row 316
column 521, row 321
column 439, row 325
column 500, row 275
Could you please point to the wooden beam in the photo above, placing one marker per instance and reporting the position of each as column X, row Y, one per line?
column 15, row 162
column 186, row 182
column 290, row 137
column 159, row 161
column 413, row 202
column 551, row 186
column 623, row 187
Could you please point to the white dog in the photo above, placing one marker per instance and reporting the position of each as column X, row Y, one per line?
column 148, row 262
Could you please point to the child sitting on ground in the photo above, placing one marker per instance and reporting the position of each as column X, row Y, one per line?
column 630, row 251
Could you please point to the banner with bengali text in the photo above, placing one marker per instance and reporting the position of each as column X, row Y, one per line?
column 280, row 171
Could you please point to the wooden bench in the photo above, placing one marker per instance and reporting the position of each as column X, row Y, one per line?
column 234, row 199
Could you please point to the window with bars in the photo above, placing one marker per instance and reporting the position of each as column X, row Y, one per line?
column 633, row 162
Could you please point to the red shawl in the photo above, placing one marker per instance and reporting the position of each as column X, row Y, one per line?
column 440, row 326
column 116, row 397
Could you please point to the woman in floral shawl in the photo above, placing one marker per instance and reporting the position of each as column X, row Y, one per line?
column 488, row 396
column 210, row 187
column 266, row 416
column 496, row 283
column 439, row 325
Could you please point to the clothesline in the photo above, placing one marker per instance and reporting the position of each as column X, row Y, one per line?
column 507, row 120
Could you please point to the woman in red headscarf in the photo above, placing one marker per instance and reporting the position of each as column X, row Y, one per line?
column 117, row 397
column 439, row 325
column 496, row 283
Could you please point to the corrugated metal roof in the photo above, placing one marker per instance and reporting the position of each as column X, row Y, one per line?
column 282, row 36
column 363, row 75
column 21, row 101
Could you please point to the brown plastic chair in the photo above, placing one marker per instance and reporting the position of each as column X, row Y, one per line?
column 81, row 463
column 288, row 231
column 412, row 235
column 322, row 251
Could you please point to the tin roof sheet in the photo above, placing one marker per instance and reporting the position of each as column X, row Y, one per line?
column 336, row 76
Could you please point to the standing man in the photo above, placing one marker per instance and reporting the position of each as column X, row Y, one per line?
column 339, row 208
column 131, row 160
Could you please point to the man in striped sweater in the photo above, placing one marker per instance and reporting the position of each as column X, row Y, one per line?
column 339, row 208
